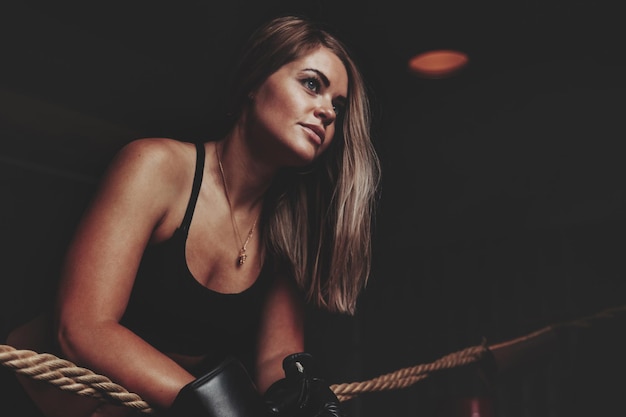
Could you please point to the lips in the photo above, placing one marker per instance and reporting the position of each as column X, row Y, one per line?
column 317, row 129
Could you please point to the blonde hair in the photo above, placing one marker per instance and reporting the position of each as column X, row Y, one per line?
column 318, row 222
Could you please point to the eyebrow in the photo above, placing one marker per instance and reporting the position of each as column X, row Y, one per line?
column 323, row 76
column 326, row 81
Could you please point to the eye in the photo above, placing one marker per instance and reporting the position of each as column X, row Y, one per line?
column 339, row 110
column 312, row 84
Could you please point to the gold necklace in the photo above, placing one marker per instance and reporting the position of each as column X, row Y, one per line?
column 241, row 259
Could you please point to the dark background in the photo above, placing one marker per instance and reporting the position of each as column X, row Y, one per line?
column 503, row 195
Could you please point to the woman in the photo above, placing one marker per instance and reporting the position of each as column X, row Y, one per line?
column 193, row 252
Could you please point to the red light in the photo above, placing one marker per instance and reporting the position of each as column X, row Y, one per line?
column 438, row 64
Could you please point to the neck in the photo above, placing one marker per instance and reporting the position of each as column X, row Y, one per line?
column 246, row 178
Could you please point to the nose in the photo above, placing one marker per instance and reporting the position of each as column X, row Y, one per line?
column 326, row 113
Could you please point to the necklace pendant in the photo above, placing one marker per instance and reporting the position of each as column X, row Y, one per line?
column 242, row 257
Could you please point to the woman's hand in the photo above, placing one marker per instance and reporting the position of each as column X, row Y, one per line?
column 225, row 391
column 301, row 393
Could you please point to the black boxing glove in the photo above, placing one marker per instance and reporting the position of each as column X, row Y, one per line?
column 225, row 391
column 300, row 393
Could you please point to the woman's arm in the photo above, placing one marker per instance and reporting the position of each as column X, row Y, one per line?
column 281, row 331
column 282, row 336
column 136, row 195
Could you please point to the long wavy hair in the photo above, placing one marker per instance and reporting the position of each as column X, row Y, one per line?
column 318, row 222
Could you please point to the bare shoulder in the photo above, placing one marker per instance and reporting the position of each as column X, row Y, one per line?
column 159, row 151
column 162, row 160
column 146, row 184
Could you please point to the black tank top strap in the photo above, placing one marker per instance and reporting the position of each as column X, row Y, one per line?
column 195, row 190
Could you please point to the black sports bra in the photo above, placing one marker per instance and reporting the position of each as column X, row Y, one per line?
column 172, row 311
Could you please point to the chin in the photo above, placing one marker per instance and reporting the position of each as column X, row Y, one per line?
column 301, row 163
column 303, row 156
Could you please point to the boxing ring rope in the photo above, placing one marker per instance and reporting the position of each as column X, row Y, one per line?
column 68, row 377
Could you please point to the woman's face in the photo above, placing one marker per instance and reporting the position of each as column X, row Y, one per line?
column 293, row 114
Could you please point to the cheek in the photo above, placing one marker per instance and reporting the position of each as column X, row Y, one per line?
column 267, row 110
column 274, row 109
column 273, row 95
